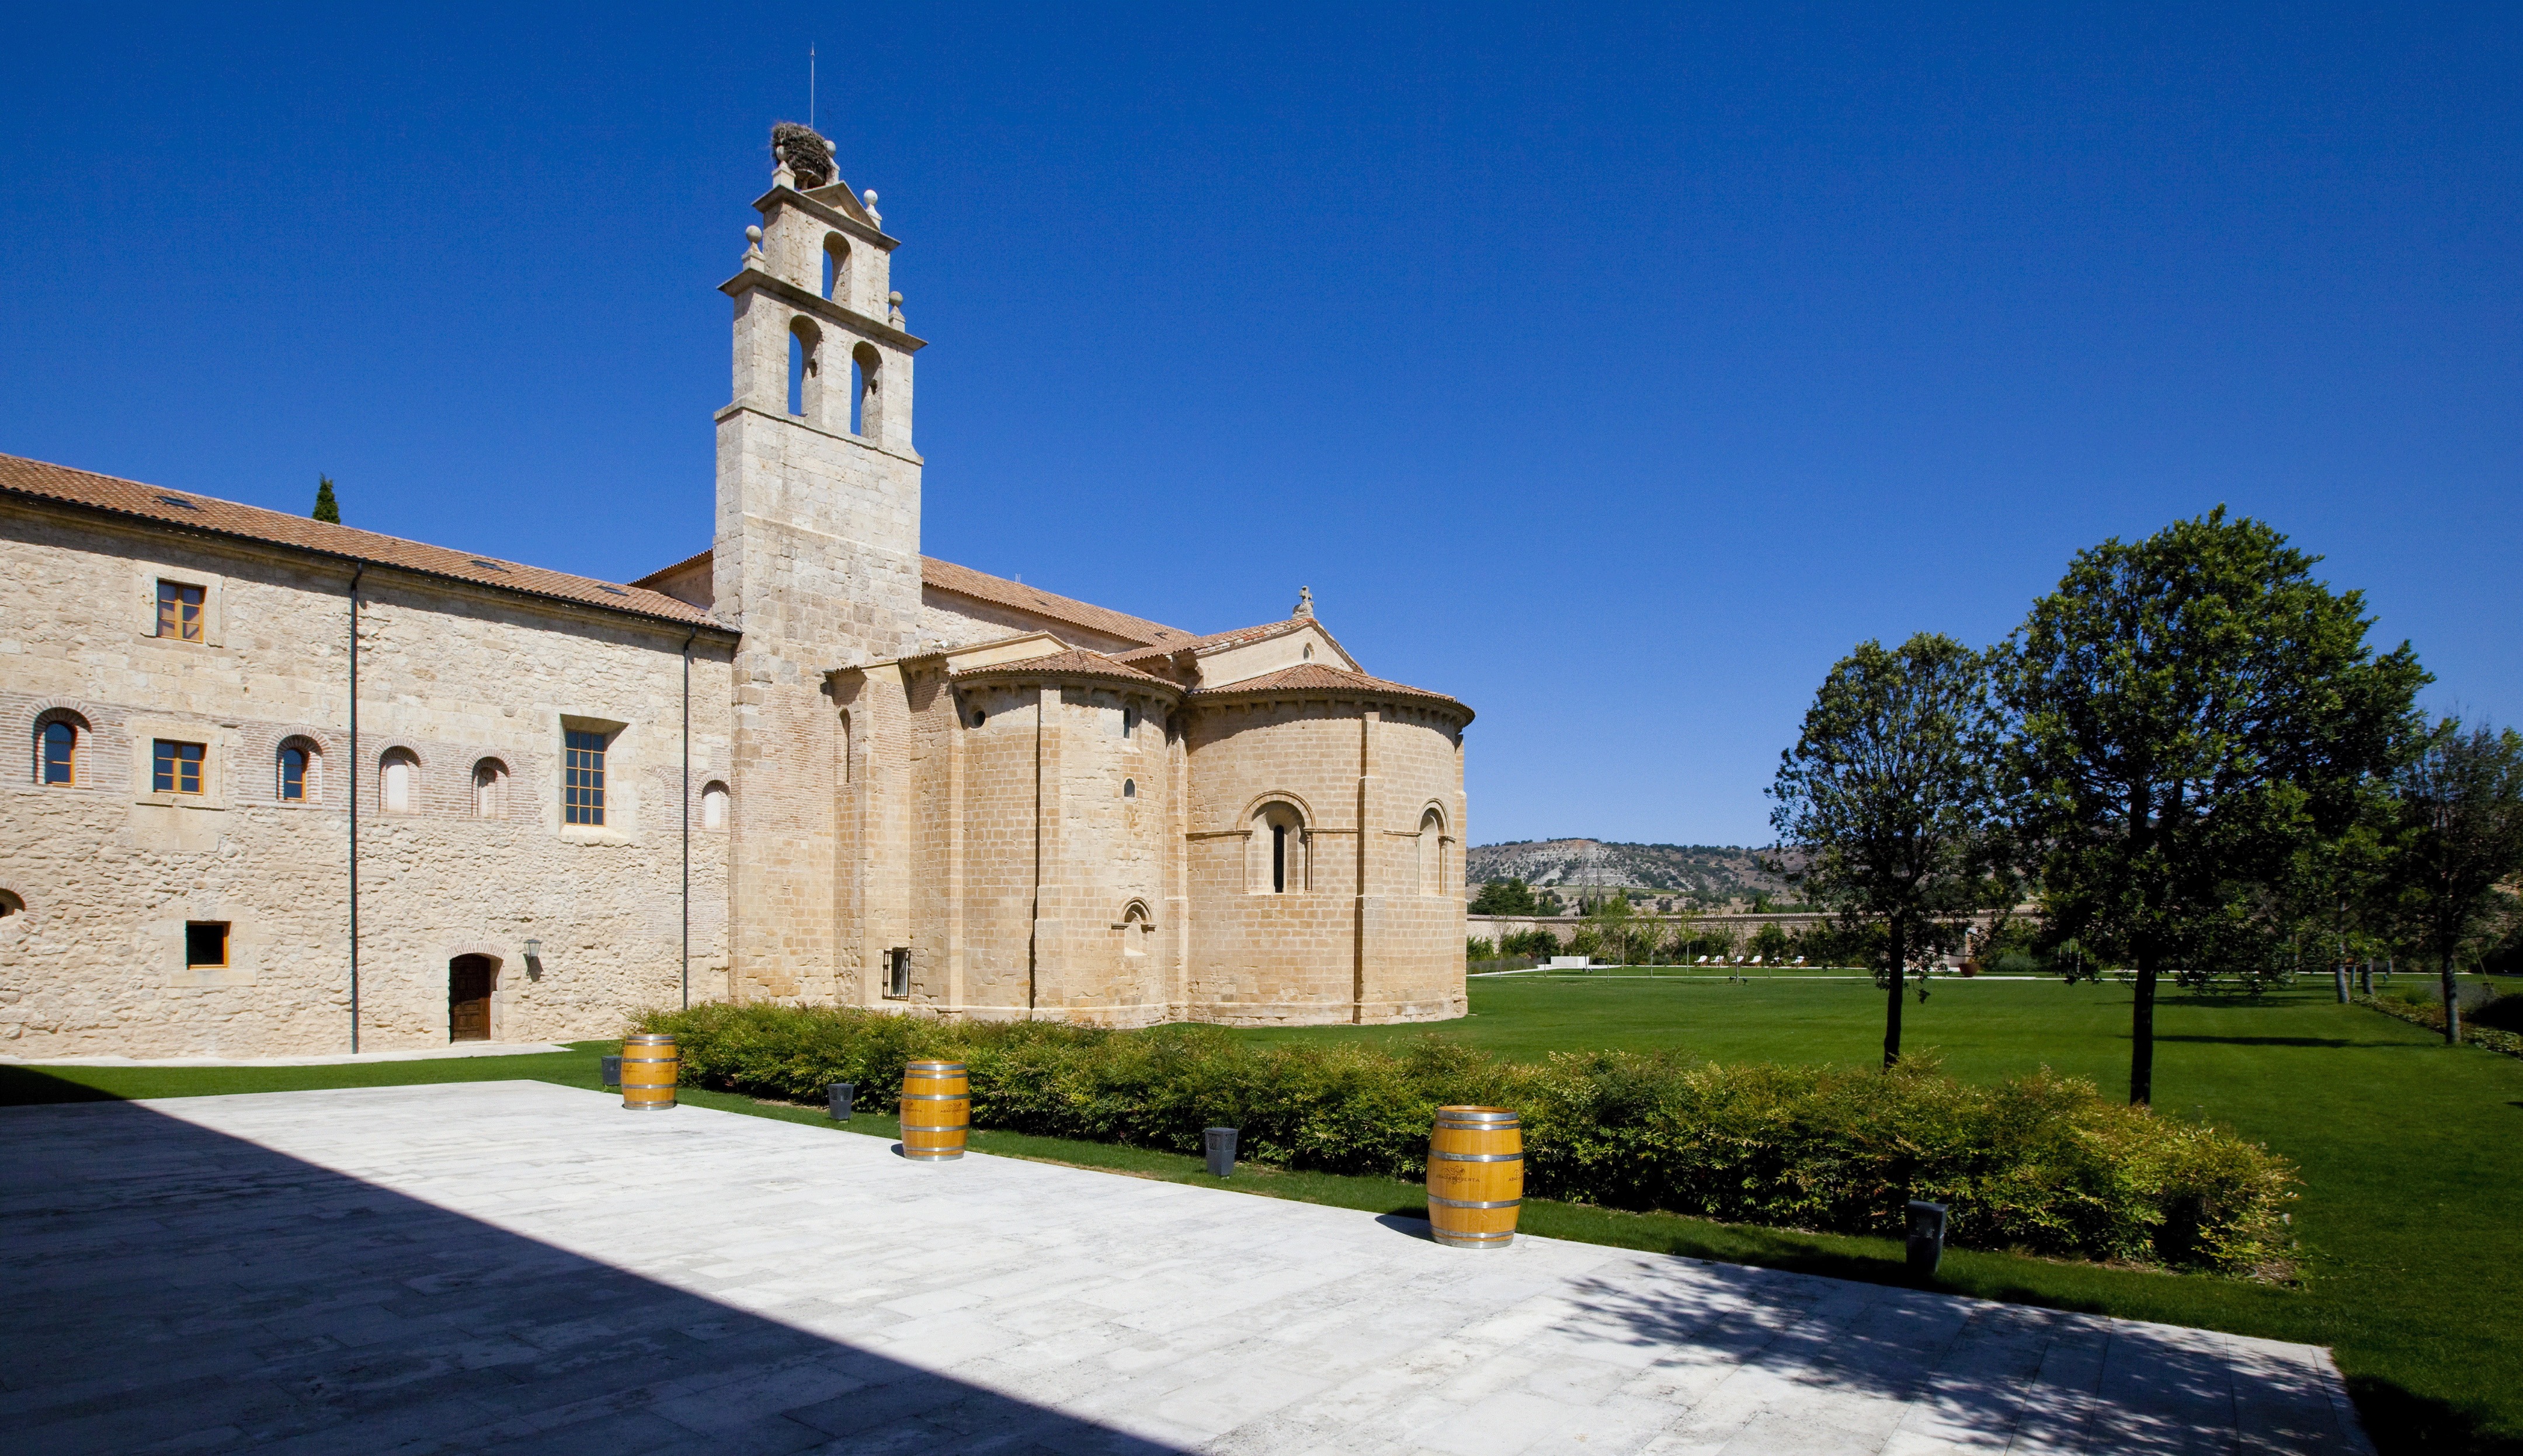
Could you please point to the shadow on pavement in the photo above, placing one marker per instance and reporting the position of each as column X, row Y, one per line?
column 174, row 1286
column 1987, row 1375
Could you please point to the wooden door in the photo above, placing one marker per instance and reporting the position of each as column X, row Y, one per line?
column 468, row 999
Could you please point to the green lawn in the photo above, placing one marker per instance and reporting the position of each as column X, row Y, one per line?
column 2410, row 1271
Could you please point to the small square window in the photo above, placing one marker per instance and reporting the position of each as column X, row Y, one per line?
column 205, row 943
column 176, row 767
column 179, row 611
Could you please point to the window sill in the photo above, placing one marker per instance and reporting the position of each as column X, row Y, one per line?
column 592, row 834
column 179, row 801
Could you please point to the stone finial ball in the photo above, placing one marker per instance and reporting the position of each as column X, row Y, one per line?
column 753, row 235
column 868, row 197
column 894, row 296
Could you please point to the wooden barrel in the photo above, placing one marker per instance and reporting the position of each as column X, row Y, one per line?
column 937, row 1109
column 648, row 1071
column 1475, row 1176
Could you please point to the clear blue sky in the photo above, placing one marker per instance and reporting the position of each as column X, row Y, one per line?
column 1614, row 372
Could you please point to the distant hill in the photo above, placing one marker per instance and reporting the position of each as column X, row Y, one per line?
column 1708, row 876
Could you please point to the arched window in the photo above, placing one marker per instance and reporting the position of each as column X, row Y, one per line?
column 1130, row 724
column 1432, row 853
column 295, row 773
column 1279, row 849
column 867, row 383
column 1130, row 788
column 490, row 789
column 836, row 268
column 845, row 745
column 805, row 365
column 714, row 806
column 398, row 779
column 11, row 904
column 60, row 739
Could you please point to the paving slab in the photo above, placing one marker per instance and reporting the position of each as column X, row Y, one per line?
column 520, row 1266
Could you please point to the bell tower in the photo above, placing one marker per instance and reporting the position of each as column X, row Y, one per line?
column 815, row 555
column 817, row 532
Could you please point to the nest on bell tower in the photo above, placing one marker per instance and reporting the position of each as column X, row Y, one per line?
column 805, row 151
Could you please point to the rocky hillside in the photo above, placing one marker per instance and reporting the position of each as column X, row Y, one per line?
column 1705, row 874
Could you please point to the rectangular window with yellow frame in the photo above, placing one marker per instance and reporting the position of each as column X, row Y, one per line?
column 176, row 767
column 179, row 611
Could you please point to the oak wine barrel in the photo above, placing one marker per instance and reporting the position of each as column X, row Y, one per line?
column 1475, row 1176
column 648, row 1067
column 936, row 1109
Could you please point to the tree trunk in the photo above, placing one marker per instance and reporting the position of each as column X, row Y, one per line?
column 2452, row 1000
column 2142, row 1032
column 1900, row 952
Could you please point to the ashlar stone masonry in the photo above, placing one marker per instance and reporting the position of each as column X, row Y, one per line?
column 274, row 765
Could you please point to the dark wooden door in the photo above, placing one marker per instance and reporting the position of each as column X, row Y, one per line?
column 468, row 999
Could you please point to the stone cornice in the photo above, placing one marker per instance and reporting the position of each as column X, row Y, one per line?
column 809, row 302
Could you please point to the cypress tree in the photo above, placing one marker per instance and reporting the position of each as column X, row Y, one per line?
column 326, row 507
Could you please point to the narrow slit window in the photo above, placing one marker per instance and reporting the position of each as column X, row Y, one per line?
column 176, row 767
column 179, row 611
column 1278, row 859
column 293, row 775
column 583, row 778
column 60, row 753
column 897, row 972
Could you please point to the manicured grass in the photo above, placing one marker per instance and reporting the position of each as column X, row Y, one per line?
column 2410, row 1269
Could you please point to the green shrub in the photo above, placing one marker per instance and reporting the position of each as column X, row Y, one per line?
column 2040, row 1163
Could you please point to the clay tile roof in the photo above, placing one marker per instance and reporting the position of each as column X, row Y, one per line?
column 209, row 516
column 981, row 586
column 1216, row 639
column 1073, row 662
column 1314, row 678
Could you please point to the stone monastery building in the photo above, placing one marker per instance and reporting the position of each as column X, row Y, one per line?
column 291, row 783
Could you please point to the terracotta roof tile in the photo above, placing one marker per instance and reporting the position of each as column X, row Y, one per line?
column 963, row 581
column 1216, row 639
column 1072, row 662
column 1313, row 677
column 185, row 511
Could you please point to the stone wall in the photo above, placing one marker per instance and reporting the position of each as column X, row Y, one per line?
column 1348, row 939
column 111, row 871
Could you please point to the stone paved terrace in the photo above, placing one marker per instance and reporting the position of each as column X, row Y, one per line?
column 528, row 1267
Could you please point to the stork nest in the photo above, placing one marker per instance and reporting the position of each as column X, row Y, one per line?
column 807, row 153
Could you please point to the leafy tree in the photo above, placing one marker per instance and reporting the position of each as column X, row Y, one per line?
column 1770, row 943
column 326, row 507
column 1547, row 903
column 1609, row 920
column 1889, row 794
column 2193, row 709
column 1504, row 897
column 2461, row 815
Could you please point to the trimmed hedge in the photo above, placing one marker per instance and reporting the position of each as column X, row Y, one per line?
column 2481, row 1031
column 2041, row 1163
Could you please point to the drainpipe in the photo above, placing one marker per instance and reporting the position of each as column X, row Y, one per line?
column 352, row 779
column 687, row 817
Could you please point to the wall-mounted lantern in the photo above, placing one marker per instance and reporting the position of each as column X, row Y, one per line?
column 534, row 959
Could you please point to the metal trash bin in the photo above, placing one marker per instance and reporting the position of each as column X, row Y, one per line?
column 1219, row 1142
column 1927, row 1235
column 840, row 1094
column 609, row 1069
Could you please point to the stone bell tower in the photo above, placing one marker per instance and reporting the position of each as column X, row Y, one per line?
column 816, row 552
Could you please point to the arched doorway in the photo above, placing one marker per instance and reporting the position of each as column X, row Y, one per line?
column 468, row 997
